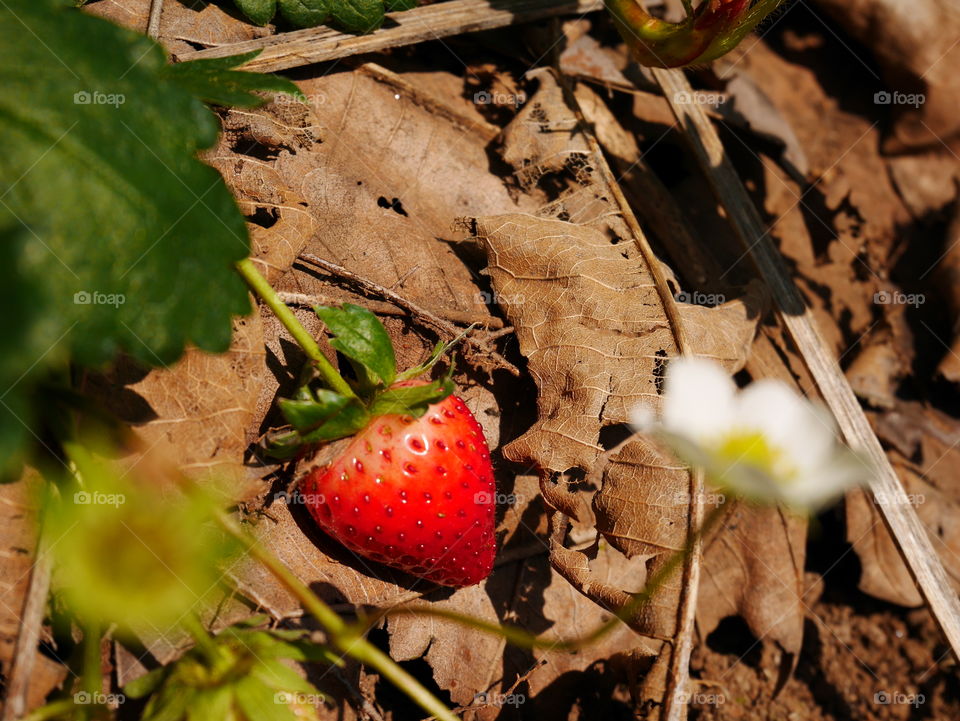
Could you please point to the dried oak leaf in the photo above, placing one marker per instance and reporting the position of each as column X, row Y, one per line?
column 591, row 319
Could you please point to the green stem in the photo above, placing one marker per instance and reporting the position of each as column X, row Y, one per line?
column 201, row 637
column 91, row 680
column 259, row 285
column 54, row 709
column 341, row 635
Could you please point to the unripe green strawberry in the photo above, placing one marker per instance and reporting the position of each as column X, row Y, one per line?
column 415, row 494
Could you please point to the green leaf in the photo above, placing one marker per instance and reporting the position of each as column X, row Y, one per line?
column 307, row 414
column 146, row 684
column 395, row 5
column 358, row 16
column 361, row 337
column 215, row 702
column 116, row 237
column 260, row 702
column 214, row 81
column 259, row 12
column 305, row 13
column 412, row 400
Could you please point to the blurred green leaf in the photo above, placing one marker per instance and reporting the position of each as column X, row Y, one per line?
column 215, row 81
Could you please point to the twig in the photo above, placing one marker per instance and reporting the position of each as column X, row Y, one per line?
column 384, row 308
column 153, row 24
column 428, row 22
column 425, row 315
column 31, row 619
column 889, row 495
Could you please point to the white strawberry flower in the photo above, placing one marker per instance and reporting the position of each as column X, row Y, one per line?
column 765, row 443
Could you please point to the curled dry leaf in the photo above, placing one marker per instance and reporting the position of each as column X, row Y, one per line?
column 590, row 317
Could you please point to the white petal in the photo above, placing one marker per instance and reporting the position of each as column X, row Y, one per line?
column 841, row 471
column 643, row 418
column 698, row 399
column 791, row 423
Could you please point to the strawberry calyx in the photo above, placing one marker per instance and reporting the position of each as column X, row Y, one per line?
column 318, row 414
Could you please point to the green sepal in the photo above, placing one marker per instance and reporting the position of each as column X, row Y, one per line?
column 308, row 414
column 259, row 12
column 214, row 81
column 438, row 350
column 305, row 13
column 412, row 400
column 361, row 337
column 358, row 16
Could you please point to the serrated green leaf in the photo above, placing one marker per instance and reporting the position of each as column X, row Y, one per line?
column 258, row 701
column 214, row 81
column 361, row 337
column 259, row 12
column 412, row 400
column 305, row 13
column 358, row 16
column 130, row 239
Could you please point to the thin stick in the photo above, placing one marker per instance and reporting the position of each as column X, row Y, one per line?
column 153, row 24
column 889, row 495
column 428, row 22
column 31, row 619
column 397, row 299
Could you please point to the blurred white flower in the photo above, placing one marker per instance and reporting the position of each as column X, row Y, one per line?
column 765, row 443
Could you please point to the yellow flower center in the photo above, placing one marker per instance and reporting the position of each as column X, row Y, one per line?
column 752, row 447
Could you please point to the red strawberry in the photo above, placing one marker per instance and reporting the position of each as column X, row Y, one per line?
column 415, row 494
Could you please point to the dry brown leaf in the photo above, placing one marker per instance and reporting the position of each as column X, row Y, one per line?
column 915, row 45
column 591, row 320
